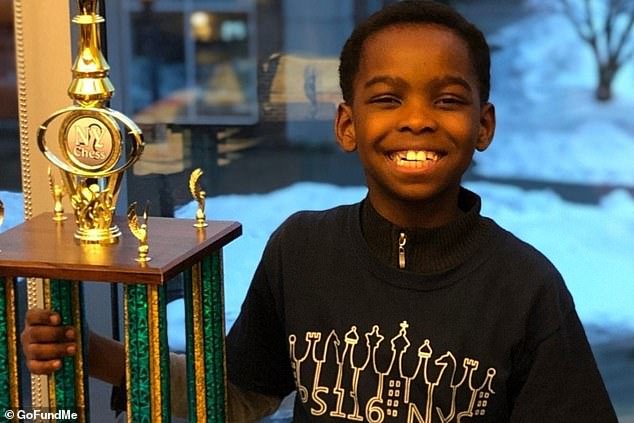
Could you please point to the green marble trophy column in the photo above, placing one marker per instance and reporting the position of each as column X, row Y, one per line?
column 68, row 388
column 9, row 382
column 147, row 359
column 204, row 314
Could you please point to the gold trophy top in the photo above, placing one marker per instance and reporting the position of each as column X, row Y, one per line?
column 91, row 86
column 95, row 144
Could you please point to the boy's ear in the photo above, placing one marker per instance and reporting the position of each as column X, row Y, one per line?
column 487, row 126
column 344, row 128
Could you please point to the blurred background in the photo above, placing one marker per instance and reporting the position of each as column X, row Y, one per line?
column 247, row 91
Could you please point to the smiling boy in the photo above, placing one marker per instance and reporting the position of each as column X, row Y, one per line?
column 415, row 112
column 409, row 306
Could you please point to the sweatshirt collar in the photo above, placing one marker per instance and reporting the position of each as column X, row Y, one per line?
column 425, row 250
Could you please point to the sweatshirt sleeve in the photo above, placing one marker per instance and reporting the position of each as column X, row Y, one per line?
column 242, row 406
column 556, row 378
column 257, row 348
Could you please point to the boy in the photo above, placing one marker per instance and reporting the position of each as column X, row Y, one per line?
column 409, row 306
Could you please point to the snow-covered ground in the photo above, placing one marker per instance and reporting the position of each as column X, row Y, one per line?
column 591, row 246
column 549, row 128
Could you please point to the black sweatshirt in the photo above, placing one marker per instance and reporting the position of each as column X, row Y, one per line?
column 477, row 326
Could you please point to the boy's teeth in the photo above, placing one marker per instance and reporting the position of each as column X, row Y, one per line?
column 414, row 158
column 413, row 155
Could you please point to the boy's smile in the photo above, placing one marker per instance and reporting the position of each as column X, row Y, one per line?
column 415, row 120
column 414, row 159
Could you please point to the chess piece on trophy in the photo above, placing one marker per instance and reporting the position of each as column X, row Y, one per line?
column 57, row 191
column 140, row 231
column 199, row 196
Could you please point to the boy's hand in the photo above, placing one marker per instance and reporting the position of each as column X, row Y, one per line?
column 45, row 342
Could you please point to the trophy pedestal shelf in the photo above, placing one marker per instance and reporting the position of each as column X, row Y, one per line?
column 43, row 248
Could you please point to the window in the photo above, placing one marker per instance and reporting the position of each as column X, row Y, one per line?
column 9, row 134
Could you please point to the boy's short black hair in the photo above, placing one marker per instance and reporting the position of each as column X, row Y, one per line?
column 414, row 12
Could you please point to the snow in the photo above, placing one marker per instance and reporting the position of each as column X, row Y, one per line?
column 14, row 210
column 590, row 245
column 550, row 128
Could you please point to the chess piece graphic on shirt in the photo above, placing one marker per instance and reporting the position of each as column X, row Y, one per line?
column 139, row 229
column 406, row 380
column 199, row 196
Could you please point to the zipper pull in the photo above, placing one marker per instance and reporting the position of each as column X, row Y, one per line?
column 402, row 240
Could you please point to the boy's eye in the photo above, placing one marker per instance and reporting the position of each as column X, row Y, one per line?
column 385, row 100
column 451, row 101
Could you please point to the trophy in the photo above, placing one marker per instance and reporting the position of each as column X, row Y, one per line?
column 95, row 144
column 92, row 146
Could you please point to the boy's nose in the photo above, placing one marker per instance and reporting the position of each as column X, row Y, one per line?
column 417, row 119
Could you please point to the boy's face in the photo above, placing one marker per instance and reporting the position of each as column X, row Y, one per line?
column 416, row 116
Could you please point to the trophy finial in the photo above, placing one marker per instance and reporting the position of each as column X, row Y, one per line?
column 57, row 191
column 140, row 231
column 199, row 196
column 91, row 86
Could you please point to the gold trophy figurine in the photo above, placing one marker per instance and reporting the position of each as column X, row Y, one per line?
column 95, row 144
column 57, row 191
column 199, row 196
column 140, row 232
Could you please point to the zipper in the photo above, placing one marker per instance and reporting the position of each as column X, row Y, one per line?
column 402, row 240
